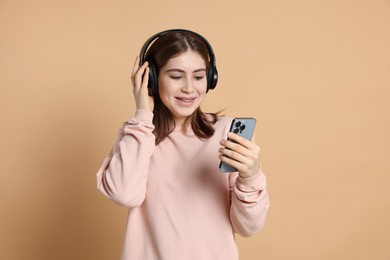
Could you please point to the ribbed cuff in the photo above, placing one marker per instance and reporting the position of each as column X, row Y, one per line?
column 255, row 183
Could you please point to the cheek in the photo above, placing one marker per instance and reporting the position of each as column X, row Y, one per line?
column 167, row 86
column 164, row 89
column 202, row 88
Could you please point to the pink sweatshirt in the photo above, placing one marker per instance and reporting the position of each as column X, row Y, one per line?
column 180, row 205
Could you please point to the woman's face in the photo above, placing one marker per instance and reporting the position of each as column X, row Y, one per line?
column 182, row 84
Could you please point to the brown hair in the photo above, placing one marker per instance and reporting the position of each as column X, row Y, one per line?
column 164, row 48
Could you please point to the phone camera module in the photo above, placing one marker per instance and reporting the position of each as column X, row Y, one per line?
column 239, row 127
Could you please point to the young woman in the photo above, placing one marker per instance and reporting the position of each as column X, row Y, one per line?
column 164, row 163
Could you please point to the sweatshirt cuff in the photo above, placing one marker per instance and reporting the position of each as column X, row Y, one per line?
column 255, row 183
column 142, row 115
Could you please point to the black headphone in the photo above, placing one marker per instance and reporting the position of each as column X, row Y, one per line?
column 211, row 73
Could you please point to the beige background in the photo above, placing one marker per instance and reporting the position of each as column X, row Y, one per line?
column 314, row 73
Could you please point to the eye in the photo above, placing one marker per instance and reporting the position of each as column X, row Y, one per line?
column 199, row 77
column 176, row 77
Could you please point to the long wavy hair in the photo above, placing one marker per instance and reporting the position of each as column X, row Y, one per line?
column 160, row 52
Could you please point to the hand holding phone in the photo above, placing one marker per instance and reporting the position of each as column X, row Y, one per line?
column 239, row 152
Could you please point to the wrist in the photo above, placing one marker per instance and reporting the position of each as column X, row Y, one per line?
column 251, row 174
column 144, row 115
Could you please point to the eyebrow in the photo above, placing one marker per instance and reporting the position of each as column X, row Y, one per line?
column 182, row 71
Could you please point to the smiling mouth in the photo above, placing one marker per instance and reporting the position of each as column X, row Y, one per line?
column 186, row 100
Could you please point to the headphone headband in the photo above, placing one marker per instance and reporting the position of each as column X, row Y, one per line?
column 212, row 73
column 158, row 35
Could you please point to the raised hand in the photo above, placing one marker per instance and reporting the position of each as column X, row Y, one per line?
column 139, row 80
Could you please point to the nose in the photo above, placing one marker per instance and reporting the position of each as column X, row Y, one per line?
column 188, row 86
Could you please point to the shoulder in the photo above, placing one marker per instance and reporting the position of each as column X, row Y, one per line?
column 222, row 122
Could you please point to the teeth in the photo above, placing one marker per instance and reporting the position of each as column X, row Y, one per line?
column 185, row 100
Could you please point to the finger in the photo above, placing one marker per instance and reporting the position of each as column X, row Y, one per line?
column 231, row 154
column 139, row 74
column 135, row 66
column 236, row 164
column 243, row 164
column 139, row 71
column 239, row 139
column 237, row 147
column 145, row 78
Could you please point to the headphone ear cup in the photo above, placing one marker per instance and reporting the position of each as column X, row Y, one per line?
column 212, row 78
column 153, row 80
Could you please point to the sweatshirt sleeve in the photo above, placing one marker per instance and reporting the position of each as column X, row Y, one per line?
column 123, row 174
column 249, row 203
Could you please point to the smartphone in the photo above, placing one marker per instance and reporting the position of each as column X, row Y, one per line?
column 243, row 126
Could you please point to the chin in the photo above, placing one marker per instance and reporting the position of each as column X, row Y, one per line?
column 184, row 115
